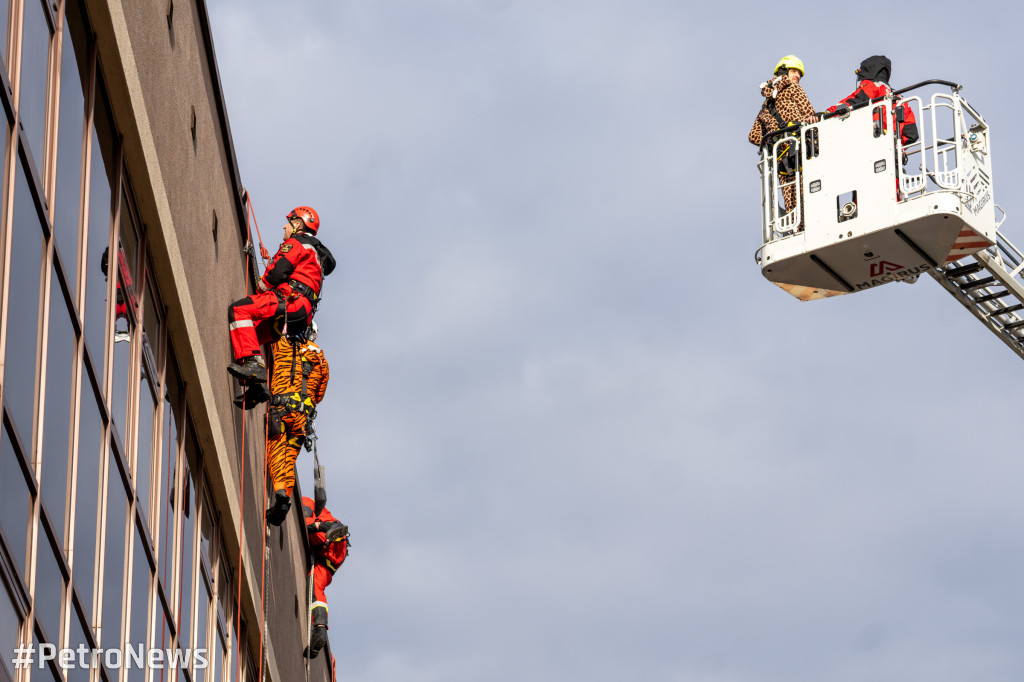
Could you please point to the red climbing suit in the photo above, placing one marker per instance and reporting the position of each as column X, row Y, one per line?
column 328, row 555
column 287, row 292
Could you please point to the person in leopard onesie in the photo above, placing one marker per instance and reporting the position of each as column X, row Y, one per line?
column 784, row 95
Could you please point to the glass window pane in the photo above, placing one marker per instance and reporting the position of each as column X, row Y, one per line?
column 35, row 57
column 140, row 603
column 216, row 657
column 151, row 327
column 87, row 482
column 97, row 265
column 234, row 662
column 113, row 561
column 188, row 558
column 69, row 151
column 57, row 413
column 14, row 501
column 49, row 589
column 144, row 458
column 201, row 638
column 5, row 8
column 129, row 243
column 9, row 626
column 76, row 638
column 206, row 537
column 162, row 633
column 23, row 304
column 123, row 351
column 168, row 453
column 225, row 594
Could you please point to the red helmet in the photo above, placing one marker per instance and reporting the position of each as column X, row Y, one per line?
column 308, row 217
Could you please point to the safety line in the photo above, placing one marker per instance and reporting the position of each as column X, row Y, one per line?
column 263, row 605
column 241, row 489
column 264, row 254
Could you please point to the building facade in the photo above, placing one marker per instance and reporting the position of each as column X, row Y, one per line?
column 131, row 490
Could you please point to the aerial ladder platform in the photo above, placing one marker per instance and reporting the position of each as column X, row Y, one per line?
column 867, row 210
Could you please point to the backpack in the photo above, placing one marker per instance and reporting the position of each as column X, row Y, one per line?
column 327, row 262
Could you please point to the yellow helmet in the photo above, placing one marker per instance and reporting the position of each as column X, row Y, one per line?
column 790, row 61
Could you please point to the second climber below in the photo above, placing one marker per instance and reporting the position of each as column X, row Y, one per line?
column 297, row 385
column 328, row 543
column 289, row 292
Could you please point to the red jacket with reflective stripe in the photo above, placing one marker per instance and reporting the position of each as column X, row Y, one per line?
column 296, row 259
column 869, row 90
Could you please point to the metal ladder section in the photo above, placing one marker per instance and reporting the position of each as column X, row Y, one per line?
column 990, row 284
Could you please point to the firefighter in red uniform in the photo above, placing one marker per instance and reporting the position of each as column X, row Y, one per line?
column 872, row 83
column 328, row 542
column 288, row 295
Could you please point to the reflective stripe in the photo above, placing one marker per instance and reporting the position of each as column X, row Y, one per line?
column 240, row 323
column 316, row 255
column 319, row 605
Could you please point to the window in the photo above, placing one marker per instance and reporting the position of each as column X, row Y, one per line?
column 76, row 638
column 140, row 602
column 225, row 595
column 168, row 454
column 97, row 265
column 57, row 413
column 91, row 446
column 188, row 553
column 163, row 636
column 202, row 611
column 49, row 588
column 125, row 311
column 69, row 152
column 10, row 624
column 14, row 500
column 35, row 57
column 206, row 539
column 5, row 9
column 23, row 308
column 152, row 327
column 144, row 458
column 216, row 655
column 113, row 562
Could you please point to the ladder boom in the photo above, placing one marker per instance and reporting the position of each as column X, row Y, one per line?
column 990, row 283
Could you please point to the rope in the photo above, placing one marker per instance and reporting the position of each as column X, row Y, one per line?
column 241, row 487
column 309, row 622
column 263, row 580
column 264, row 254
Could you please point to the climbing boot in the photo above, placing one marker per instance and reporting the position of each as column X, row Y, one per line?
column 254, row 395
column 317, row 640
column 279, row 511
column 249, row 370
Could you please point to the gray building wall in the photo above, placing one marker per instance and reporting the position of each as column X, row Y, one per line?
column 122, row 457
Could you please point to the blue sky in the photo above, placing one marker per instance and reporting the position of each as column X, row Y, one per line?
column 574, row 431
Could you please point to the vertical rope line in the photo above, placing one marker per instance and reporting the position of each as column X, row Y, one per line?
column 263, row 605
column 241, row 491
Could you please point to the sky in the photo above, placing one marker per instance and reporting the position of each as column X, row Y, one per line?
column 574, row 431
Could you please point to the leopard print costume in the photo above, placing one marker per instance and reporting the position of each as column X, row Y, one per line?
column 793, row 105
